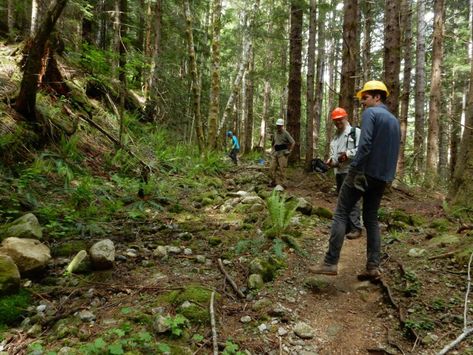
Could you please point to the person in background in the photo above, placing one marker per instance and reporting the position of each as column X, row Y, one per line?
column 235, row 149
column 372, row 168
column 343, row 149
column 283, row 144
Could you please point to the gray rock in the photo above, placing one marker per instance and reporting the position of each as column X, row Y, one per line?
column 102, row 254
column 279, row 188
column 255, row 282
column 187, row 251
column 9, row 275
column 34, row 330
column 304, row 331
column 200, row 259
column 41, row 308
column 303, row 206
column 261, row 304
column 28, row 254
column 161, row 252
column 131, row 253
column 185, row 236
column 173, row 250
column 416, row 252
column 257, row 207
column 159, row 324
column 262, row 327
column 245, row 319
column 65, row 350
column 251, row 200
column 279, row 311
column 27, row 226
column 282, row 331
column 86, row 316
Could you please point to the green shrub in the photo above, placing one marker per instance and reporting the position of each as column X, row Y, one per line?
column 13, row 307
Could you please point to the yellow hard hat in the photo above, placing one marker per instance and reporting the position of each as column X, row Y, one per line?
column 372, row 85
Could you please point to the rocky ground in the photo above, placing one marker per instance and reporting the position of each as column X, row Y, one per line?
column 156, row 297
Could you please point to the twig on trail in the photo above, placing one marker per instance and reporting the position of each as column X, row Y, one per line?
column 280, row 346
column 212, row 323
column 232, row 283
column 441, row 256
column 392, row 343
column 466, row 330
column 465, row 227
column 415, row 344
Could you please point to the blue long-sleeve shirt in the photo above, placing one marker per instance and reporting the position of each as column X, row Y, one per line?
column 379, row 144
column 235, row 143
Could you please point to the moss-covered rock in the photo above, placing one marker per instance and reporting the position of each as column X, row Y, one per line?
column 195, row 313
column 255, row 282
column 316, row 284
column 322, row 212
column 13, row 307
column 214, row 241
column 267, row 267
column 27, row 226
column 193, row 294
column 69, row 248
column 444, row 240
column 9, row 275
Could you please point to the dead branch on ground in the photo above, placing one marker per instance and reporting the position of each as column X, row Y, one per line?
column 232, row 283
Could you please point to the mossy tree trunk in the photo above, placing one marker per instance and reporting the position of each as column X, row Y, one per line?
column 310, row 98
column 25, row 103
column 214, row 109
column 195, row 81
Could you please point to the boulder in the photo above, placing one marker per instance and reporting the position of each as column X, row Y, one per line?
column 255, row 282
column 29, row 255
column 27, row 226
column 304, row 331
column 9, row 275
column 303, row 206
column 251, row 200
column 102, row 254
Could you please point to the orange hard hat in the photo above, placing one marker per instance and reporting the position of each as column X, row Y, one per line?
column 338, row 113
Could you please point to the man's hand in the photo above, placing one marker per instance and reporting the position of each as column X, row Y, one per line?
column 342, row 157
column 329, row 162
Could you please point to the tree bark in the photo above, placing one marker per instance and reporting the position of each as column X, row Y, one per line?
column 10, row 18
column 152, row 98
column 406, row 16
column 350, row 54
column 310, row 98
column 214, row 109
column 419, row 130
column 295, row 78
column 196, row 88
column 123, row 10
column 319, row 79
column 455, row 132
column 25, row 103
column 392, row 53
column 367, row 9
column 265, row 116
column 249, row 101
column 34, row 17
column 435, row 95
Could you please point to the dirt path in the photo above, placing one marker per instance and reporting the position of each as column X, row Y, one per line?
column 349, row 316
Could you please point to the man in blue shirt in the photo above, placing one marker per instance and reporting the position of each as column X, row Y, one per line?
column 235, row 147
column 372, row 168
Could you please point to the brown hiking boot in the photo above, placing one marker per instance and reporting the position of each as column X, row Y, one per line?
column 354, row 234
column 324, row 269
column 372, row 274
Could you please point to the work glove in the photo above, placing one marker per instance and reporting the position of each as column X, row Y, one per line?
column 287, row 152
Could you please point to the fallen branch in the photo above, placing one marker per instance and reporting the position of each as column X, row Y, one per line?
column 212, row 323
column 232, row 283
column 466, row 331
column 441, row 256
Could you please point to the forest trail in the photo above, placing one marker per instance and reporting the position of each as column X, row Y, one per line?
column 349, row 316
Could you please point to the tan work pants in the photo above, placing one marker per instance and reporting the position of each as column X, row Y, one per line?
column 277, row 169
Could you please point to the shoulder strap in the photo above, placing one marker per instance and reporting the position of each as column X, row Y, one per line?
column 352, row 134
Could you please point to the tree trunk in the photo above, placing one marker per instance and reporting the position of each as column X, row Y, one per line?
column 122, row 62
column 310, row 98
column 419, row 131
column 367, row 8
column 295, row 78
column 319, row 80
column 435, row 95
column 392, row 53
column 265, row 117
column 214, row 109
column 10, row 18
column 26, row 101
column 34, row 17
column 455, row 132
column 249, row 100
column 196, row 89
column 350, row 54
column 152, row 99
column 102, row 32
column 461, row 189
column 406, row 16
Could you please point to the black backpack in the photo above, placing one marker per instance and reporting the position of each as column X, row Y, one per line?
column 319, row 166
column 352, row 135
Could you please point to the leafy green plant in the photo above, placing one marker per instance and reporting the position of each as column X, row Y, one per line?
column 231, row 348
column 13, row 307
column 177, row 324
column 413, row 284
column 280, row 213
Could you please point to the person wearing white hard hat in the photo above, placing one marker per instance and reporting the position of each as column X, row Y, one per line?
column 283, row 144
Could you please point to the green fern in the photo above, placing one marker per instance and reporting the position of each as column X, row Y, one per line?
column 280, row 213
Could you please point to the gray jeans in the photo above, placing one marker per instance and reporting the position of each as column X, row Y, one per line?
column 353, row 223
column 347, row 198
